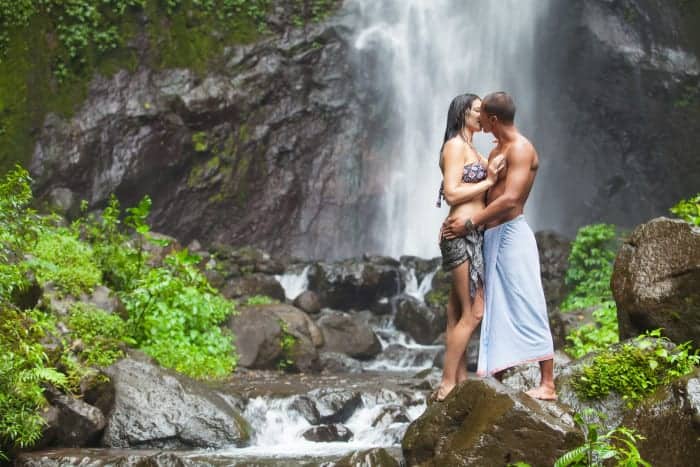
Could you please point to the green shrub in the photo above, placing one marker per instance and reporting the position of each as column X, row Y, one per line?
column 118, row 247
column 174, row 315
column 19, row 228
column 590, row 269
column 103, row 334
column 60, row 257
column 688, row 210
column 23, row 369
column 635, row 370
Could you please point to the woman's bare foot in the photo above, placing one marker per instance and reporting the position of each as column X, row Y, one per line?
column 441, row 393
column 545, row 393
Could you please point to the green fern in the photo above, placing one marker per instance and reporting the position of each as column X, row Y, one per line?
column 572, row 457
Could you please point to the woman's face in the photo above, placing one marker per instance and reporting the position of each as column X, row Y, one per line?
column 472, row 119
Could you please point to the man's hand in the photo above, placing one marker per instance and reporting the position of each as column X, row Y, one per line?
column 453, row 227
column 495, row 166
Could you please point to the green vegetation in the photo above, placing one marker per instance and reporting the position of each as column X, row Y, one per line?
column 618, row 445
column 102, row 334
column 50, row 49
column 287, row 342
column 60, row 257
column 174, row 313
column 635, row 370
column 590, row 268
column 260, row 300
column 688, row 210
column 24, row 367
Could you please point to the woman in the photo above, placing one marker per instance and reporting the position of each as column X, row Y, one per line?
column 466, row 177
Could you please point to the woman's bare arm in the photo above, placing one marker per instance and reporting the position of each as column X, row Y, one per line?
column 456, row 191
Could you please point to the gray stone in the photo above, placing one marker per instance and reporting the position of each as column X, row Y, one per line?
column 187, row 414
column 309, row 302
column 345, row 333
column 656, row 281
column 328, row 433
column 417, row 320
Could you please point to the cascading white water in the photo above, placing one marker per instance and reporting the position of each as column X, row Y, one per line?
column 294, row 282
column 431, row 51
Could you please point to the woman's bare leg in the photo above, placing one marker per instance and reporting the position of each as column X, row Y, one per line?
column 457, row 336
column 477, row 312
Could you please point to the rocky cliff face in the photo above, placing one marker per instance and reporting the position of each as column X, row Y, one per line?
column 267, row 150
column 619, row 108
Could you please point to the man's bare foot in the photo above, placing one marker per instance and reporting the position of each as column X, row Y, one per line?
column 545, row 393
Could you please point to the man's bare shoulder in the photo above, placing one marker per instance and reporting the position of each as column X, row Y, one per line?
column 521, row 150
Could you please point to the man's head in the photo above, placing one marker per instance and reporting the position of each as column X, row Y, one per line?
column 497, row 109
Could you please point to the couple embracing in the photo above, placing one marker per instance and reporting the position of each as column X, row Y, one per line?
column 489, row 248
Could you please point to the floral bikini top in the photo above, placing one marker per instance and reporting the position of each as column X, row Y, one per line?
column 473, row 173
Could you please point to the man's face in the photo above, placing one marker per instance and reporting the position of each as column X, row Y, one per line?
column 486, row 121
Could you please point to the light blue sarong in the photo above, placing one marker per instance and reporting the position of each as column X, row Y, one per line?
column 515, row 327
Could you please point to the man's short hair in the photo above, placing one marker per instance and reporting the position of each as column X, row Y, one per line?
column 499, row 104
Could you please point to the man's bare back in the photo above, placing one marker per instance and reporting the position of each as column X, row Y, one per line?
column 520, row 171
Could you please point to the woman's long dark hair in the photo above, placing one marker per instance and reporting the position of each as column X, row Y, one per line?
column 455, row 116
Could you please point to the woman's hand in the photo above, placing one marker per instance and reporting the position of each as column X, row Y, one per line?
column 495, row 166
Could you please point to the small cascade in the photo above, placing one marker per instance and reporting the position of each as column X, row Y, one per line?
column 294, row 282
column 278, row 425
column 414, row 289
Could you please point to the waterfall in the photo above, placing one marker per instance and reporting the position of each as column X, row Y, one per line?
column 426, row 52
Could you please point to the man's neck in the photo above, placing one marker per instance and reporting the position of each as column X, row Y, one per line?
column 506, row 134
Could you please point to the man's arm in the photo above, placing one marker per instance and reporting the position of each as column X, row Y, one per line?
column 455, row 190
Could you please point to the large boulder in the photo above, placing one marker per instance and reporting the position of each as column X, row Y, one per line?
column 258, row 336
column 261, row 329
column 483, row 422
column 422, row 323
column 157, row 408
column 656, row 280
column 670, row 422
column 355, row 283
column 348, row 334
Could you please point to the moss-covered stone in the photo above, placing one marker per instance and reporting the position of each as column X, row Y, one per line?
column 30, row 87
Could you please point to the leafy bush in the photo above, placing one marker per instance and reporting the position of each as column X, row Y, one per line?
column 19, row 228
column 590, row 268
column 101, row 333
column 60, row 257
column 688, row 210
column 23, row 369
column 174, row 315
column 122, row 262
column 635, row 370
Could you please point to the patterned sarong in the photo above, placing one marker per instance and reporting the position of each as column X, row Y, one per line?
column 515, row 327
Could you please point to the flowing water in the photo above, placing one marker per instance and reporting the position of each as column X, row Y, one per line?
column 427, row 52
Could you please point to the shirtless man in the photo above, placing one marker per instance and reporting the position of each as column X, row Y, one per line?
column 515, row 327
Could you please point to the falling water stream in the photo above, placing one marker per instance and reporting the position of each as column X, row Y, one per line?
column 429, row 51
